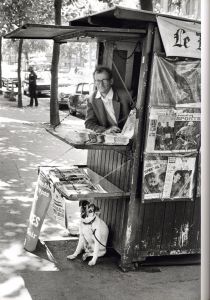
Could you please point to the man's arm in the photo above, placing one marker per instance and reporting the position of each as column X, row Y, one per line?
column 91, row 121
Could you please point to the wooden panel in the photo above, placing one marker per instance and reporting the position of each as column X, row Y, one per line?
column 194, row 233
column 176, row 234
column 113, row 212
column 112, row 164
column 147, row 226
column 168, row 226
column 157, row 227
column 187, row 225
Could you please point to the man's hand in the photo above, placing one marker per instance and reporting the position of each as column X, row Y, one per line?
column 113, row 129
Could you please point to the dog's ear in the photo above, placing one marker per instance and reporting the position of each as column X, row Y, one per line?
column 96, row 210
column 83, row 203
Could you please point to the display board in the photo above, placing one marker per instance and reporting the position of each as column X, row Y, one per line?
column 173, row 130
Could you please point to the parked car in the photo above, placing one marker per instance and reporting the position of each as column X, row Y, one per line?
column 76, row 97
column 10, row 80
column 9, row 86
column 63, row 95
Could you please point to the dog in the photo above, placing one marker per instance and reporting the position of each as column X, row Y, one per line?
column 93, row 234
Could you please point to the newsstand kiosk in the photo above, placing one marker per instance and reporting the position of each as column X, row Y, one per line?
column 154, row 206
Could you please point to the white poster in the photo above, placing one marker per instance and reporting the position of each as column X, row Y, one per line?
column 180, row 38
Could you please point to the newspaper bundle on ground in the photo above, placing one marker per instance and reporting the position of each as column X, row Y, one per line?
column 173, row 130
column 169, row 178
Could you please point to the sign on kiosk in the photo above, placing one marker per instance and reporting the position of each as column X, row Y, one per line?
column 180, row 38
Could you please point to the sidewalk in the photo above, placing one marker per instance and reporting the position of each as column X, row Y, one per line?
column 46, row 274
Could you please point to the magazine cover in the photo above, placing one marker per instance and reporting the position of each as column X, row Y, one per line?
column 179, row 177
column 154, row 178
column 187, row 131
column 172, row 130
column 161, row 130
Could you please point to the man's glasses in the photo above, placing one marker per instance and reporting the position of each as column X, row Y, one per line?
column 104, row 81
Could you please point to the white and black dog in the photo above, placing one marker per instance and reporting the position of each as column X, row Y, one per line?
column 93, row 234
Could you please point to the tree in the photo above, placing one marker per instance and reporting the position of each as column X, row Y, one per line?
column 15, row 13
column 54, row 109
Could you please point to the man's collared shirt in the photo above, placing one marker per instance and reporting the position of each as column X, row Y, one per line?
column 108, row 104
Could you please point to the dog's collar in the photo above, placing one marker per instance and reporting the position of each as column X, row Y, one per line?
column 89, row 223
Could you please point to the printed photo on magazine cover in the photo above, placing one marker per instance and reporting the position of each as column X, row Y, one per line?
column 173, row 130
column 179, row 177
column 154, row 178
column 187, row 131
column 161, row 130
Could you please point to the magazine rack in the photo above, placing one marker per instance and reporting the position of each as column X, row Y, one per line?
column 135, row 46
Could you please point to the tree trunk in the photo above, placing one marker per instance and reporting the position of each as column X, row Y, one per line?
column 0, row 64
column 146, row 5
column 54, row 109
column 20, row 47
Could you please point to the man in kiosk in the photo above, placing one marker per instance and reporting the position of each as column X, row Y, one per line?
column 107, row 112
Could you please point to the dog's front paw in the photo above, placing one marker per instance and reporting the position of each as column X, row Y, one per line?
column 85, row 256
column 72, row 256
column 92, row 262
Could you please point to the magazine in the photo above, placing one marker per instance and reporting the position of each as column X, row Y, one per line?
column 187, row 131
column 161, row 130
column 154, row 178
column 172, row 130
column 179, row 177
column 168, row 178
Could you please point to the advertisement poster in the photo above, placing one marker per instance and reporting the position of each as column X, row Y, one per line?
column 58, row 205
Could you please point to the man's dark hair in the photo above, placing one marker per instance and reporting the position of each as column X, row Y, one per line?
column 101, row 69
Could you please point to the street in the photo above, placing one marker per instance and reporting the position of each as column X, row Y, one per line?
column 46, row 274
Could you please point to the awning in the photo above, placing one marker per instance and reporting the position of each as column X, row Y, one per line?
column 62, row 34
column 123, row 17
column 116, row 23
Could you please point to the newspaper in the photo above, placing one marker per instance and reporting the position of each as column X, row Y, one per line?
column 129, row 127
column 173, row 130
column 179, row 177
column 169, row 178
column 73, row 182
